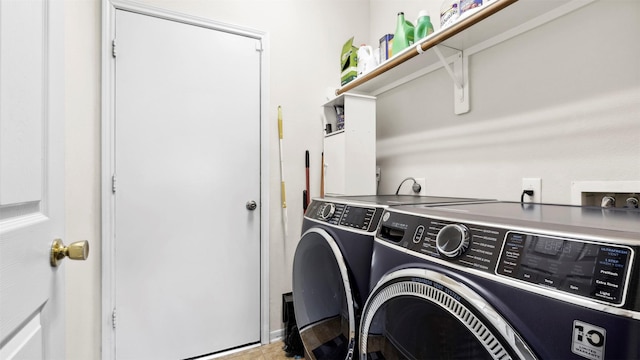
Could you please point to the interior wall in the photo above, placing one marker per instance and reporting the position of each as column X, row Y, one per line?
column 305, row 40
column 560, row 102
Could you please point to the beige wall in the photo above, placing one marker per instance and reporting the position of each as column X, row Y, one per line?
column 82, row 169
column 305, row 41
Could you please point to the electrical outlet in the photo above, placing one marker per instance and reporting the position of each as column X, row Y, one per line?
column 534, row 184
column 423, row 186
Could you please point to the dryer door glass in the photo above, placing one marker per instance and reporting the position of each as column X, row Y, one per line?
column 411, row 328
column 322, row 298
column 415, row 315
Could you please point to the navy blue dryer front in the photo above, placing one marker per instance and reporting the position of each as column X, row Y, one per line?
column 504, row 281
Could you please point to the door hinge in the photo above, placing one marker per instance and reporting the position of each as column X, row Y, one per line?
column 113, row 47
column 113, row 319
column 259, row 45
column 113, row 184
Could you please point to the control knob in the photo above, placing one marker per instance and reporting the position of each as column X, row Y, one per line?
column 452, row 240
column 326, row 211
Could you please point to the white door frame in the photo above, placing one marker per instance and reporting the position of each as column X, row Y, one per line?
column 109, row 8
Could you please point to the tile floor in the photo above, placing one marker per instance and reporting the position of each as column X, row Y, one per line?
column 271, row 351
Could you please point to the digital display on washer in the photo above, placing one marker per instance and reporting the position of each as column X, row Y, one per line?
column 357, row 217
column 591, row 270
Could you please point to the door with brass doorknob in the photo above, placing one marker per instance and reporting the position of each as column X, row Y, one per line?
column 32, row 318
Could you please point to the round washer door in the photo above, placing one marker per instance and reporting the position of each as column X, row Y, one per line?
column 322, row 297
column 422, row 314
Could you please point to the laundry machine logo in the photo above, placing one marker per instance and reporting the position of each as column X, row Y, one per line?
column 588, row 340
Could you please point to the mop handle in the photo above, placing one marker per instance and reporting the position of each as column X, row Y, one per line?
column 280, row 135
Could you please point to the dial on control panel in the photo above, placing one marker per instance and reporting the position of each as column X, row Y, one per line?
column 452, row 240
column 326, row 211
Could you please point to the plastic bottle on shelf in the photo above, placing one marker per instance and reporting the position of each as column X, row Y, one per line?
column 469, row 5
column 410, row 30
column 366, row 59
column 424, row 27
column 449, row 12
column 404, row 35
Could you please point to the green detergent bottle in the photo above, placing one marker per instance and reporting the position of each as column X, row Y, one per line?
column 404, row 35
column 424, row 27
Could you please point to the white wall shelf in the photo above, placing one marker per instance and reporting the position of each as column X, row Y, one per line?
column 495, row 22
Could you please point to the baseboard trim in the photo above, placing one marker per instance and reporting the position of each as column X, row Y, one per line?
column 276, row 335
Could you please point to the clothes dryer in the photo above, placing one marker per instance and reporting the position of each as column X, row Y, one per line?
column 504, row 281
column 331, row 268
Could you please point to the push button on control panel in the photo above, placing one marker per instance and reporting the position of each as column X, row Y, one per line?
column 417, row 236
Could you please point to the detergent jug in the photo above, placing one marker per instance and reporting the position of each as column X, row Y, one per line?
column 366, row 59
column 424, row 26
column 403, row 37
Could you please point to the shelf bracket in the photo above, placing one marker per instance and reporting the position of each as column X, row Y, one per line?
column 460, row 76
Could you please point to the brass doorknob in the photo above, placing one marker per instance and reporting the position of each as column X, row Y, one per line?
column 78, row 250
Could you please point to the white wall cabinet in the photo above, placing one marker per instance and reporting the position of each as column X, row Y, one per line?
column 350, row 153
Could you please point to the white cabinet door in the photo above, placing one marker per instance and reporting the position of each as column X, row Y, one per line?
column 187, row 160
column 334, row 161
column 350, row 153
column 31, row 179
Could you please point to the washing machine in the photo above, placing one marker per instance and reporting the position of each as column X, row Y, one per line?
column 504, row 280
column 331, row 268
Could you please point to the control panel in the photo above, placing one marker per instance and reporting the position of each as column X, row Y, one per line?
column 588, row 269
column 345, row 215
column 583, row 268
column 463, row 244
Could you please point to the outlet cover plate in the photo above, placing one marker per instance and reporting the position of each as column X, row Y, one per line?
column 534, row 184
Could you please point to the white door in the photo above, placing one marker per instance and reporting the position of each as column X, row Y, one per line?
column 31, row 179
column 187, row 160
